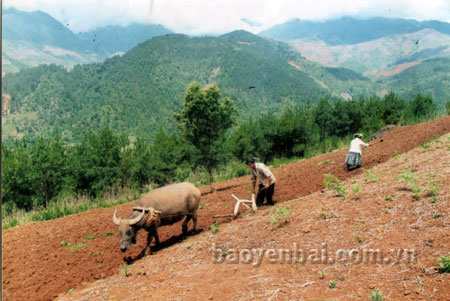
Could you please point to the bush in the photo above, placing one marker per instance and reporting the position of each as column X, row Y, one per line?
column 444, row 264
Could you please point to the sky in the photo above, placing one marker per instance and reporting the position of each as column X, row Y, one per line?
column 198, row 17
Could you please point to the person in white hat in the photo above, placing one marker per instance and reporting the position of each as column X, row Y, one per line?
column 354, row 157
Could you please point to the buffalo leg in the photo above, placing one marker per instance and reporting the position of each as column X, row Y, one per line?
column 157, row 238
column 185, row 223
column 194, row 218
column 147, row 248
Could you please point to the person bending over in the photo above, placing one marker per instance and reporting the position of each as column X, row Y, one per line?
column 266, row 182
column 354, row 157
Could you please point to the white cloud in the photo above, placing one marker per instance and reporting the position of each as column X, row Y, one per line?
column 218, row 16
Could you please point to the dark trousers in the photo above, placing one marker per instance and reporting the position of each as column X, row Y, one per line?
column 265, row 193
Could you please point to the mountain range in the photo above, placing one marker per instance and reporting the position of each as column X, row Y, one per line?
column 138, row 92
column 33, row 38
column 133, row 78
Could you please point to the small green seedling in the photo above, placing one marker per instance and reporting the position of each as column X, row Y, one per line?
column 376, row 296
column 332, row 284
column 108, row 234
column 77, row 246
column 333, row 182
column 321, row 274
column 125, row 269
column 356, row 188
column 65, row 243
column 89, row 237
column 433, row 189
column 444, row 265
column 215, row 227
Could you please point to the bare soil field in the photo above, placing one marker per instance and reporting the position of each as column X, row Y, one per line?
column 37, row 266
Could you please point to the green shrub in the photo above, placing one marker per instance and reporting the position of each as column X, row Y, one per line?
column 333, row 182
column 444, row 264
column 376, row 296
column 332, row 284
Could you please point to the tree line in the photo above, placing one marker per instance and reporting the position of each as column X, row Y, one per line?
column 37, row 171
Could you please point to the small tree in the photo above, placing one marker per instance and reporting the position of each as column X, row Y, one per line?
column 204, row 121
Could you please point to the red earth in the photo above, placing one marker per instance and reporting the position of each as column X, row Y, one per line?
column 36, row 266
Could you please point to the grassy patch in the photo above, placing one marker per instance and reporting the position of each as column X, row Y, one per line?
column 77, row 246
column 425, row 145
column 332, row 284
column 333, row 182
column 409, row 179
column 215, row 227
column 324, row 162
column 281, row 214
column 444, row 264
column 433, row 189
column 124, row 267
column 370, row 176
column 376, row 296
column 356, row 189
column 65, row 207
column 389, row 199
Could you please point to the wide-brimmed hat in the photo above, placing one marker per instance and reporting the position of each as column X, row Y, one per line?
column 358, row 135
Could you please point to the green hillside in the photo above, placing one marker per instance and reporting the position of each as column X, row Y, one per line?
column 138, row 93
column 430, row 77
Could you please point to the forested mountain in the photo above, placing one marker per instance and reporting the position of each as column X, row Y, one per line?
column 373, row 47
column 33, row 38
column 138, row 92
column 378, row 57
column 430, row 77
column 348, row 30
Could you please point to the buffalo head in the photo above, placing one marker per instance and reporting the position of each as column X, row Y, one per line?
column 127, row 229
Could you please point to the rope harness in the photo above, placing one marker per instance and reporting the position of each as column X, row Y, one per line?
column 152, row 217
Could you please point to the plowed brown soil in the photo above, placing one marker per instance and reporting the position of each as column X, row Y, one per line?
column 37, row 267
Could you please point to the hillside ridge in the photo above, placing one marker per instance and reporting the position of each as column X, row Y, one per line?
column 51, row 268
